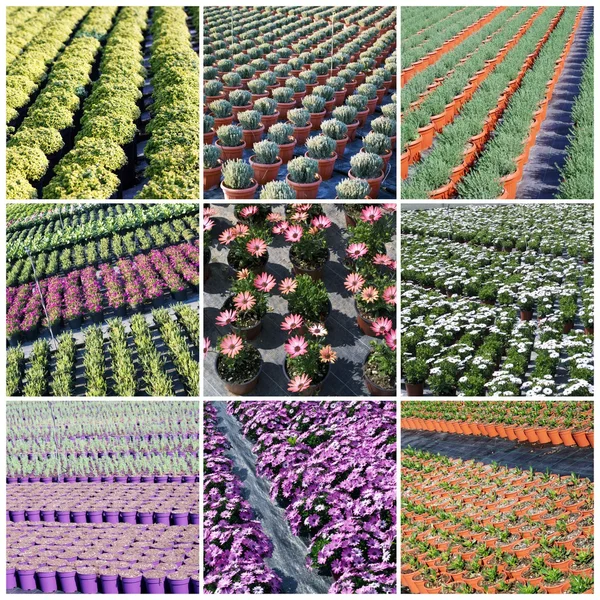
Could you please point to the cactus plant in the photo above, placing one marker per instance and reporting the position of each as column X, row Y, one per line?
column 334, row 129
column 211, row 156
column 320, row 147
column 352, row 189
column 249, row 120
column 280, row 133
column 313, row 104
column 377, row 143
column 265, row 152
column 240, row 98
column 230, row 135
column 366, row 165
column 237, row 174
column 303, row 170
column 300, row 117
column 282, row 94
column 277, row 190
column 221, row 109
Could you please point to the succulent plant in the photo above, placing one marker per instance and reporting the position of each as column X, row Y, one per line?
column 377, row 143
column 366, row 165
column 232, row 79
column 309, row 77
column 221, row 109
column 334, row 129
column 269, row 77
column 319, row 68
column 337, row 83
column 257, row 86
column 265, row 152
column 265, row 106
column 352, row 189
column 384, row 125
column 249, row 120
column 237, row 174
column 277, row 190
column 313, row 104
column 246, row 71
column 240, row 98
column 320, row 147
column 210, row 73
column 348, row 75
column 211, row 156
column 300, row 117
column 296, row 63
column 282, row 70
column 230, row 135
column 207, row 123
column 368, row 90
column 303, row 170
column 345, row 114
column 296, row 84
column 282, row 94
column 357, row 101
column 280, row 133
column 213, row 88
column 325, row 91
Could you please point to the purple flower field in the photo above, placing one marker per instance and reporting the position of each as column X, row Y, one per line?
column 330, row 467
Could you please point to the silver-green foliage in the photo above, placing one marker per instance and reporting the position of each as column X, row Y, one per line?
column 237, row 174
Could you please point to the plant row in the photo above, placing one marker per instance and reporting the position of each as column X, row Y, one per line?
column 51, row 234
column 108, row 558
column 578, row 170
column 137, row 365
column 59, row 302
column 418, row 22
column 468, row 527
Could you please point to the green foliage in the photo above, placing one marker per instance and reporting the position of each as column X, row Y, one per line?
column 221, row 108
column 230, row 135
column 300, row 117
column 320, row 147
column 313, row 103
column 249, row 119
column 377, row 143
column 344, row 114
column 282, row 94
column 257, row 86
column 352, row 189
column 265, row 106
column 384, row 125
column 296, row 84
column 237, row 174
column 213, row 87
column 266, row 152
column 303, row 170
column 211, row 155
column 309, row 77
column 232, row 80
column 240, row 98
column 310, row 299
column 324, row 91
column 366, row 165
column 207, row 123
column 281, row 133
column 336, row 130
column 277, row 190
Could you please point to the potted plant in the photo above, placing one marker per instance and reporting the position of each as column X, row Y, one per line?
column 367, row 166
column 315, row 105
column 380, row 144
column 212, row 166
column 232, row 83
column 339, row 86
column 309, row 251
column 207, row 124
column 213, row 91
column 238, row 364
column 306, row 297
column 247, row 304
column 230, row 142
column 267, row 107
column 258, row 89
column 284, row 96
column 237, row 181
column 277, row 190
column 303, row 177
column 385, row 126
column 310, row 79
column 247, row 246
column 359, row 103
column 222, row 112
column 415, row 372
column 322, row 149
column 379, row 368
column 298, row 86
column 338, row 131
column 353, row 189
column 300, row 121
column 347, row 115
column 265, row 161
column 328, row 94
column 252, row 128
column 282, row 135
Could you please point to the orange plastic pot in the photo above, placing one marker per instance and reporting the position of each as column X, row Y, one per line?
column 264, row 173
column 580, row 438
column 251, row 136
column 510, row 184
column 404, row 165
column 245, row 194
column 211, row 178
column 554, row 437
column 286, row 151
column 439, row 121
column 443, row 193
column 268, row 120
column 305, row 191
column 316, row 119
column 426, row 134
column 301, row 133
column 326, row 166
column 566, row 437
column 231, row 152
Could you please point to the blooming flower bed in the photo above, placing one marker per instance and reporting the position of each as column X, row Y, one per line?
column 103, row 497
column 332, row 466
column 469, row 527
column 498, row 301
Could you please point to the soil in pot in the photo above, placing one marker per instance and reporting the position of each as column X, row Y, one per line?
column 243, row 377
column 314, row 267
column 378, row 383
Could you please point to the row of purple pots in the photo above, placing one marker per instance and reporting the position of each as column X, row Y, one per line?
column 107, row 479
column 111, row 454
column 105, row 516
column 71, row 582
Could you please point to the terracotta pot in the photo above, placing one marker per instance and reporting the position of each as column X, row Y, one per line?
column 301, row 133
column 283, row 108
column 222, row 121
column 352, row 130
column 554, row 437
column 264, row 173
column 427, row 134
column 305, row 191
column 443, row 193
column 414, row 151
column 580, row 438
column 526, row 315
column 404, row 165
column 268, row 120
column 566, row 437
column 316, row 119
column 208, row 137
column 256, row 97
column 531, row 435
column 371, row 104
column 374, row 389
column 326, row 166
column 286, row 151
column 238, row 109
column 375, row 184
column 245, row 194
column 251, row 136
column 340, row 147
column 510, row 183
column 414, row 389
column 510, row 432
column 542, row 434
column 211, row 178
column 590, row 437
column 439, row 121
column 298, row 98
column 231, row 152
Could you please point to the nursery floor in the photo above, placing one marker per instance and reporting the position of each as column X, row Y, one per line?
column 562, row 460
column 289, row 551
column 342, row 166
column 345, row 375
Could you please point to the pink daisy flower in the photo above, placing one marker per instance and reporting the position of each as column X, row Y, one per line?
column 288, row 285
column 321, row 222
column 293, row 233
column 248, row 211
column 256, row 247
column 390, row 339
column 243, row 273
column 381, row 326
column 206, row 345
column 392, row 265
column 300, row 216
column 207, row 224
column 227, row 236
column 299, row 383
column 317, row 330
column 274, row 217
column 389, row 206
column 389, row 295
column 264, row 282
column 209, row 211
column 302, row 207
column 292, row 322
column 354, row 282
column 370, row 294
column 328, row 355
column 381, row 259
column 280, row 227
column 244, row 301
column 296, row 346
column 231, row 345
column 355, row 251
column 226, row 317
column 370, row 214
column 241, row 230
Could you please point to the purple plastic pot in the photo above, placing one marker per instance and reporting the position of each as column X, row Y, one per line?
column 179, row 518
column 26, row 579
column 194, row 518
column 127, row 516
column 111, row 516
column 88, row 583
column 33, row 515
column 132, row 585
column 174, row 478
column 94, row 516
column 161, row 479
column 11, row 579
column 108, row 479
column 17, row 516
column 109, row 584
column 94, row 479
column 33, row 479
column 195, row 585
column 144, row 518
column 71, row 479
column 163, row 518
column 48, row 516
column 134, row 479
column 155, row 585
column 120, row 479
column 188, row 479
column 47, row 581
column 12, row 480
column 63, row 516
column 46, row 479
column 147, row 478
column 81, row 479
column 179, row 586
column 78, row 516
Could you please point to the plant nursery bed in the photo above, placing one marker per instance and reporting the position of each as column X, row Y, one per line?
column 291, row 526
column 321, row 316
column 498, row 301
